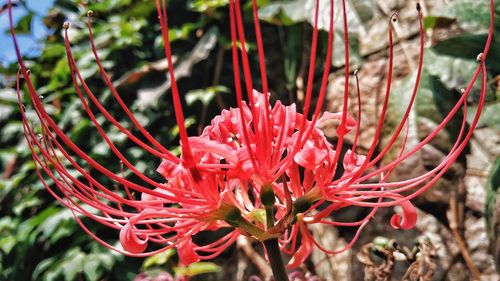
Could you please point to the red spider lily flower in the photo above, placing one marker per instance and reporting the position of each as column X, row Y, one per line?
column 253, row 159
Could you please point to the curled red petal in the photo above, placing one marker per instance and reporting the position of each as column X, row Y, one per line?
column 186, row 252
column 310, row 156
column 155, row 202
column 169, row 169
column 304, row 250
column 409, row 218
column 204, row 145
column 352, row 161
column 130, row 242
column 327, row 117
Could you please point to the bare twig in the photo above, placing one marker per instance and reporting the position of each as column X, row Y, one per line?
column 9, row 169
column 423, row 266
column 377, row 270
column 476, row 275
column 244, row 244
column 460, row 211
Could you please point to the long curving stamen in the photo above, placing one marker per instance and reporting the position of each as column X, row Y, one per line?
column 239, row 97
column 342, row 129
column 427, row 139
column 452, row 156
column 380, row 125
column 259, row 137
column 324, row 79
column 265, row 87
column 287, row 161
column 358, row 119
column 405, row 185
column 312, row 66
column 179, row 115
column 165, row 154
column 412, row 98
column 42, row 114
column 484, row 54
column 74, row 71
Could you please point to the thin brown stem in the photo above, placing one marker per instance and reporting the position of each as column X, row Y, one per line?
column 476, row 275
column 260, row 263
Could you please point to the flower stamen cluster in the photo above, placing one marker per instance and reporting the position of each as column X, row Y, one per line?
column 261, row 170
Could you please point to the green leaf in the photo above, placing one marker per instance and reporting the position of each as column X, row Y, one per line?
column 203, row 6
column 465, row 46
column 57, row 226
column 158, row 259
column 188, row 123
column 8, row 96
column 107, row 5
column 53, row 51
column 42, row 267
column 12, row 130
column 23, row 26
column 205, row 96
column 489, row 116
column 434, row 101
column 7, row 243
column 182, row 33
column 471, row 15
column 28, row 201
column 27, row 226
column 91, row 268
column 454, row 72
column 197, row 269
column 286, row 13
column 437, row 22
column 72, row 264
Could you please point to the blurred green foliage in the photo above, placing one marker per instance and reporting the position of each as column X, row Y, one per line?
column 39, row 239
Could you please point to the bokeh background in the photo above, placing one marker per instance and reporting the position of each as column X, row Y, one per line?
column 39, row 240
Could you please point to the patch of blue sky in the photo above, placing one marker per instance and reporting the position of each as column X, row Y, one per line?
column 29, row 43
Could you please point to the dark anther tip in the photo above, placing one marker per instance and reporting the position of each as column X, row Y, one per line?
column 90, row 13
column 66, row 25
column 419, row 8
column 394, row 17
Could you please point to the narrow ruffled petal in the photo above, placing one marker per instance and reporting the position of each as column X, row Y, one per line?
column 225, row 151
column 169, row 169
column 327, row 117
column 304, row 250
column 310, row 157
column 130, row 242
column 186, row 252
column 352, row 161
column 408, row 218
column 153, row 201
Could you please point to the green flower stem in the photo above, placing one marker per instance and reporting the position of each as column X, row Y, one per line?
column 269, row 217
column 275, row 259
column 267, row 198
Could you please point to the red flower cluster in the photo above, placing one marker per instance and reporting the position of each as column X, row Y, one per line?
column 258, row 170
